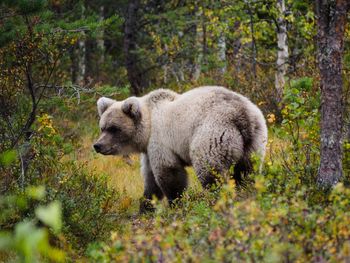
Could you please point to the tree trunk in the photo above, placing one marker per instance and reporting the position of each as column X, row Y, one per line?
column 78, row 57
column 130, row 47
column 282, row 53
column 222, row 52
column 91, row 67
column 165, row 67
column 100, row 44
column 236, row 48
column 198, row 45
column 331, row 24
column 100, row 39
column 177, row 71
column 78, row 66
column 74, row 64
column 81, row 52
column 253, row 43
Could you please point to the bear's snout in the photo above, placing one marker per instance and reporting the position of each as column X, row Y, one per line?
column 97, row 147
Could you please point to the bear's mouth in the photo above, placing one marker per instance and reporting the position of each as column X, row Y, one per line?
column 110, row 151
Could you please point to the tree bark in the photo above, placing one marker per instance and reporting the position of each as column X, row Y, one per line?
column 236, row 48
column 177, row 71
column 332, row 16
column 81, row 52
column 253, row 43
column 222, row 52
column 130, row 48
column 100, row 39
column 197, row 67
column 282, row 53
column 78, row 57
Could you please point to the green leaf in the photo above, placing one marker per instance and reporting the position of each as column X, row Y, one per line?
column 36, row 192
column 28, row 239
column 8, row 157
column 50, row 215
column 55, row 254
column 5, row 240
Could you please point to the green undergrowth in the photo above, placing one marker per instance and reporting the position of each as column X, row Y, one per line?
column 221, row 226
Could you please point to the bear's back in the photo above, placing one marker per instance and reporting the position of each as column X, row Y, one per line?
column 198, row 104
column 175, row 123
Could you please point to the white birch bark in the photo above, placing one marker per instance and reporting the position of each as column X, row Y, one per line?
column 165, row 67
column 282, row 53
column 81, row 61
column 222, row 52
column 81, row 54
column 177, row 71
column 165, row 74
column 199, row 46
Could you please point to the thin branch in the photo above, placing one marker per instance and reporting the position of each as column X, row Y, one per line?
column 22, row 177
column 77, row 30
column 31, row 117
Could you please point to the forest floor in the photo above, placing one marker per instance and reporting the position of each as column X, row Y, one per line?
column 279, row 217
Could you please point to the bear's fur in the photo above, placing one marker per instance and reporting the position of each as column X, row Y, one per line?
column 210, row 128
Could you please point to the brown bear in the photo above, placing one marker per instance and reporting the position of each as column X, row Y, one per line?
column 210, row 128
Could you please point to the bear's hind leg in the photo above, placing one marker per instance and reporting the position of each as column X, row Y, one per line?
column 205, row 174
column 242, row 168
column 214, row 152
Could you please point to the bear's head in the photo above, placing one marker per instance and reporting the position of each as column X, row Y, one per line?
column 119, row 125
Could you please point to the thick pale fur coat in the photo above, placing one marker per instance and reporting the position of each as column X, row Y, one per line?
column 210, row 128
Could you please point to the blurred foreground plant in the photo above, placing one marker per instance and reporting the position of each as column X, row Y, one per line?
column 28, row 240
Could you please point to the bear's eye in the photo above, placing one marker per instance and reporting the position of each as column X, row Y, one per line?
column 113, row 129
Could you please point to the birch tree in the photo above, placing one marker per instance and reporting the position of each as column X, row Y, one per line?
column 79, row 55
column 222, row 51
column 199, row 44
column 282, row 50
column 81, row 51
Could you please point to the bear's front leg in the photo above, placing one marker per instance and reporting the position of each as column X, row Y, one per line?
column 151, row 188
column 168, row 170
column 172, row 181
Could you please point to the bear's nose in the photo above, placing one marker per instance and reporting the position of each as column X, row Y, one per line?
column 97, row 147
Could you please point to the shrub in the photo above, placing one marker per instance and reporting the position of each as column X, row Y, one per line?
column 88, row 204
column 28, row 239
column 298, row 159
column 265, row 227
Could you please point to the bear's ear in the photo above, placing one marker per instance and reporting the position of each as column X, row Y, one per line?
column 103, row 104
column 132, row 108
